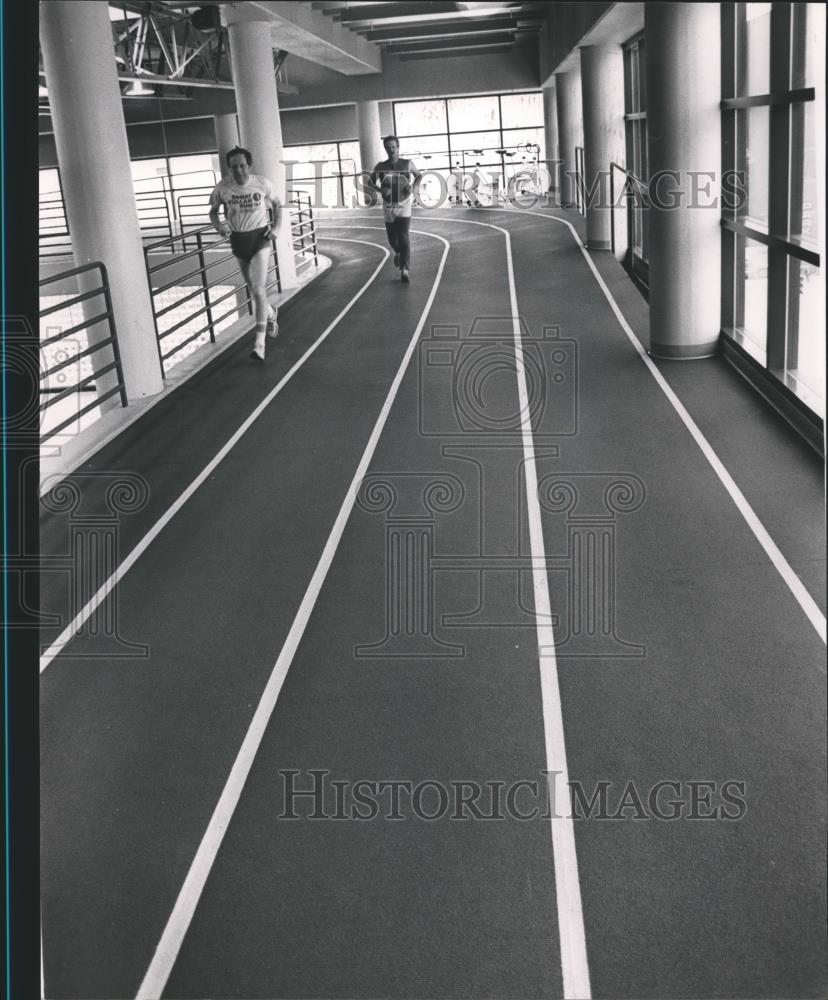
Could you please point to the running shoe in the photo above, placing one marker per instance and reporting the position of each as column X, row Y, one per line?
column 404, row 275
column 272, row 328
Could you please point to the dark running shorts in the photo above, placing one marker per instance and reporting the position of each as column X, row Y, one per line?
column 247, row 244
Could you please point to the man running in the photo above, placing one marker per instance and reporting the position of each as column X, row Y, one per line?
column 394, row 176
column 245, row 198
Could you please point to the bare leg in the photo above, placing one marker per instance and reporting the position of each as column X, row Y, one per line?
column 257, row 270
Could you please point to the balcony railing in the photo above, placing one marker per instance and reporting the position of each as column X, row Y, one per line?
column 61, row 370
column 165, row 280
column 303, row 229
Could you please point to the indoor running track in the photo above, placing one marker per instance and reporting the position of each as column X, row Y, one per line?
column 340, row 561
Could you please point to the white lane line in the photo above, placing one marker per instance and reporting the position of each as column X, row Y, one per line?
column 130, row 560
column 182, row 913
column 760, row 532
column 783, row 567
column 574, row 964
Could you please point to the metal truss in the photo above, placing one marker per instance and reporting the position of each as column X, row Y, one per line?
column 157, row 45
column 165, row 50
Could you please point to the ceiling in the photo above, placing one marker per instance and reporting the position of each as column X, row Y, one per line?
column 170, row 49
column 425, row 30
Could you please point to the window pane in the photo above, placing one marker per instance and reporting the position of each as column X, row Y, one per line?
column 468, row 113
column 148, row 175
column 194, row 171
column 753, row 46
column 751, row 313
column 349, row 156
column 523, row 141
column 49, row 181
column 805, row 352
column 521, row 110
column 808, row 45
column 476, row 146
column 754, row 158
column 804, row 207
column 415, row 146
column 420, row 117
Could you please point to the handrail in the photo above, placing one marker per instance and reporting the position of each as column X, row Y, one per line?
column 90, row 381
column 580, row 170
column 304, row 243
column 635, row 255
column 205, row 238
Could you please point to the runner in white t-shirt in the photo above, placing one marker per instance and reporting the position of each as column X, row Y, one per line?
column 246, row 198
column 397, row 179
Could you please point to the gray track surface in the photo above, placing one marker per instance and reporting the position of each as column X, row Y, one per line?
column 709, row 672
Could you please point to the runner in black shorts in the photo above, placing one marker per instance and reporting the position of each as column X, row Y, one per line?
column 246, row 198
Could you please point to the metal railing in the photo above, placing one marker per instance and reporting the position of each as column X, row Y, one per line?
column 154, row 219
column 580, row 171
column 634, row 193
column 206, row 241
column 53, row 229
column 110, row 343
column 303, row 229
column 193, row 207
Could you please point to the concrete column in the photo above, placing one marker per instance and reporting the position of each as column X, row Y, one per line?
column 570, row 129
column 251, row 53
column 370, row 137
column 684, row 150
column 550, row 135
column 227, row 137
column 386, row 114
column 370, row 133
column 602, row 83
column 93, row 156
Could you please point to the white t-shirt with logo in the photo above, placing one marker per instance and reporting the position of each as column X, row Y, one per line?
column 246, row 207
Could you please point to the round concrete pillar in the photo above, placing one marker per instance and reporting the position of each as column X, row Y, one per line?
column 684, row 152
column 227, row 138
column 93, row 156
column 254, row 80
column 602, row 85
column 370, row 137
column 570, row 130
column 386, row 114
column 370, row 134
column 550, row 134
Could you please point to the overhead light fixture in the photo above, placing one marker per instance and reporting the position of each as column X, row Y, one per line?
column 138, row 89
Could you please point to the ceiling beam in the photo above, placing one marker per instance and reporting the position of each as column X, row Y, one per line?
column 488, row 50
column 307, row 33
column 371, row 12
column 440, row 28
column 447, row 44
